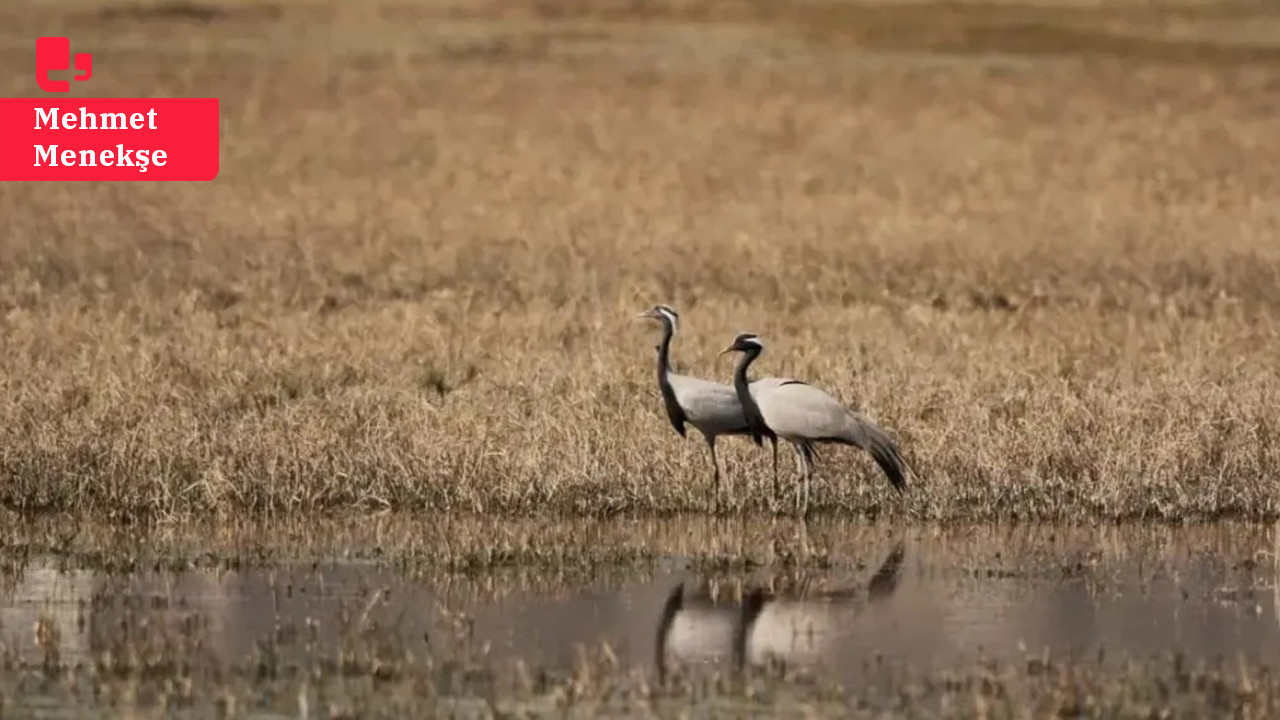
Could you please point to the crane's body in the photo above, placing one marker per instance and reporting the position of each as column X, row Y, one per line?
column 711, row 407
column 806, row 416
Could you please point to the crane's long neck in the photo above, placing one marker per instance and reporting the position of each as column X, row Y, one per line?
column 755, row 421
column 664, row 369
column 664, row 352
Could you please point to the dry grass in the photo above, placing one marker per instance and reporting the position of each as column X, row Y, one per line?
column 1054, row 277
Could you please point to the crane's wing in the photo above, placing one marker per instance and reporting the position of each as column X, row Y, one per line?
column 710, row 406
column 768, row 383
column 794, row 409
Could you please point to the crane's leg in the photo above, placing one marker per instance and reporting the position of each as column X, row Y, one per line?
column 799, row 455
column 773, row 503
column 797, row 448
column 802, row 492
column 715, row 475
column 806, row 451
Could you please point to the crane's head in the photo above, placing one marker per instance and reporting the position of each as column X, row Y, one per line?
column 745, row 342
column 663, row 313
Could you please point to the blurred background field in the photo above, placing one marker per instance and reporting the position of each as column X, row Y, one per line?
column 1037, row 241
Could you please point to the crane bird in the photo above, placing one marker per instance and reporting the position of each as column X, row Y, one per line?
column 804, row 416
column 711, row 407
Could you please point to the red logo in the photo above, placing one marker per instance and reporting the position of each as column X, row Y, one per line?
column 64, row 138
column 54, row 53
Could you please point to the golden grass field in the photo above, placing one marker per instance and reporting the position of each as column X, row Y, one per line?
column 1040, row 245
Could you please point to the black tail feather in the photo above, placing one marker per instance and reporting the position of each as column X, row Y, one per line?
column 888, row 458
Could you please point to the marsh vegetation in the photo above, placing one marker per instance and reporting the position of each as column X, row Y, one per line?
column 1052, row 274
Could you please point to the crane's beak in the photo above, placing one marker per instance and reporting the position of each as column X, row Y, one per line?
column 643, row 315
column 729, row 349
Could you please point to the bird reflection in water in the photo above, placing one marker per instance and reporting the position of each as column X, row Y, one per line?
column 762, row 625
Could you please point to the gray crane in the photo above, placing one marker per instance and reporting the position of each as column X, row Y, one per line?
column 804, row 416
column 711, row 407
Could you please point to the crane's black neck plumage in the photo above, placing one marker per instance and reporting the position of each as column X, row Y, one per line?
column 674, row 411
column 755, row 421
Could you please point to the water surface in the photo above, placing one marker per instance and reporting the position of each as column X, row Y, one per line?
column 919, row 598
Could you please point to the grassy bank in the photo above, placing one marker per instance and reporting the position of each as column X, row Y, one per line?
column 1055, row 278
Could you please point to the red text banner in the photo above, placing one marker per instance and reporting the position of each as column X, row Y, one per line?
column 108, row 139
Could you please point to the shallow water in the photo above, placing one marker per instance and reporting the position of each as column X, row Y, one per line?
column 923, row 599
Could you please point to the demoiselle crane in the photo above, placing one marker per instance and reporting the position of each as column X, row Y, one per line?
column 711, row 407
column 805, row 416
